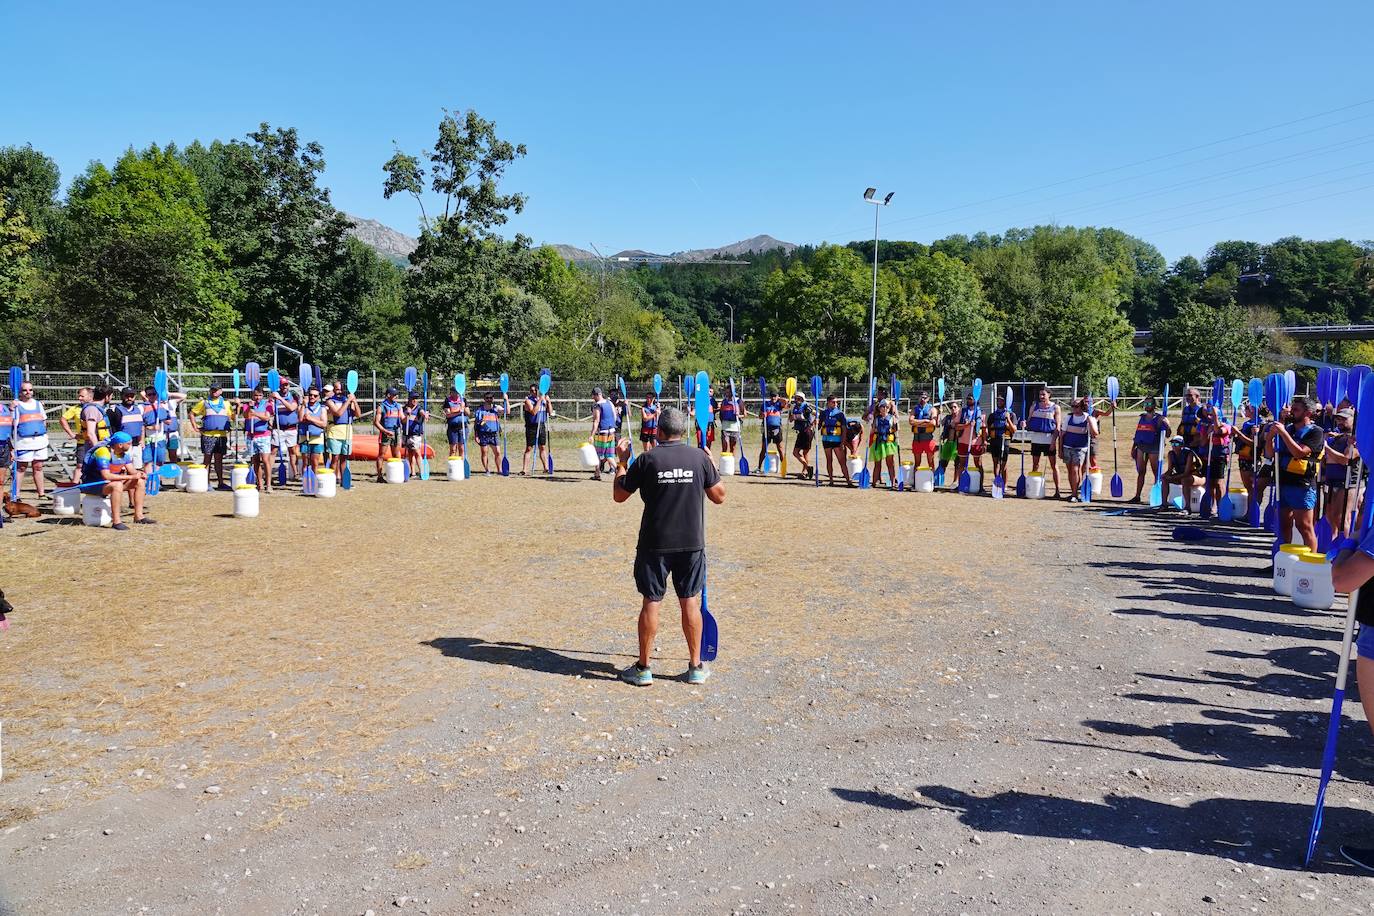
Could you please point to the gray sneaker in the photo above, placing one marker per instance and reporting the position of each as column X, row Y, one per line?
column 698, row 675
column 637, row 676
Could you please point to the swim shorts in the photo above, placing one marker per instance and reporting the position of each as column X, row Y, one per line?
column 688, row 569
column 1297, row 496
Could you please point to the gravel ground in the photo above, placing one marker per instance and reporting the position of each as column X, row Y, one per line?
column 405, row 698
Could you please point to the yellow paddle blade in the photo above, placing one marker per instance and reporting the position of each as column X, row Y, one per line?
column 783, row 465
column 791, row 387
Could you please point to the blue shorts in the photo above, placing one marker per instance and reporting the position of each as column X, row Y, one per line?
column 259, row 445
column 336, row 446
column 1364, row 643
column 457, row 435
column 1297, row 496
column 312, row 448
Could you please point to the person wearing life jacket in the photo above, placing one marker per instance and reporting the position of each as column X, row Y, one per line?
column 711, row 405
column 1244, row 437
column 6, row 442
column 456, row 423
column 212, row 419
column 111, row 461
column 1340, row 470
column 968, row 430
column 772, row 410
column 29, row 439
column 416, row 415
column 832, row 424
column 487, row 422
column 1075, row 439
column 1216, row 435
column 388, row 421
column 804, row 433
column 924, row 419
column 1150, row 429
column 310, row 433
column 127, row 417
column 648, row 424
column 1042, row 428
column 883, row 445
column 258, row 436
column 997, row 435
column 1188, row 419
column 160, row 425
column 285, row 436
column 338, row 434
column 1182, row 466
column 1296, row 446
column 538, row 411
column 731, row 412
column 603, row 433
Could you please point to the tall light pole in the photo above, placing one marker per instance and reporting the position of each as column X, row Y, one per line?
column 732, row 320
column 873, row 310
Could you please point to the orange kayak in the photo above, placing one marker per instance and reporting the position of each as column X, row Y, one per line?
column 365, row 447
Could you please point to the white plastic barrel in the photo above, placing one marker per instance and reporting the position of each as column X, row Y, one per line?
column 1284, row 562
column 197, row 479
column 181, row 475
column 903, row 474
column 1095, row 479
column 395, row 471
column 1194, row 498
column 856, row 465
column 1035, row 485
column 325, row 483
column 975, row 481
column 727, row 464
column 455, row 469
column 1311, row 581
column 586, row 456
column 1240, row 501
column 95, row 511
column 238, row 475
column 923, row 481
column 66, row 503
column 246, row 501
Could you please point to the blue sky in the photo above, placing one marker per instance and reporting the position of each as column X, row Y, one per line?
column 676, row 126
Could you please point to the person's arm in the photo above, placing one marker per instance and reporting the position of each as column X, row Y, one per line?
column 377, row 422
column 1352, row 569
column 1294, row 447
column 66, row 425
column 716, row 493
column 1092, row 427
column 625, row 481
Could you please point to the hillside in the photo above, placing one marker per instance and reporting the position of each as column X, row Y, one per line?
column 390, row 244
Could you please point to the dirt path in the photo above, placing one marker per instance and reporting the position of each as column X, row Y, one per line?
column 928, row 702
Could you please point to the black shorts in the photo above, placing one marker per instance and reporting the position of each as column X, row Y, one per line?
column 214, row 445
column 387, row 438
column 81, row 451
column 1037, row 450
column 648, row 435
column 7, row 452
column 687, row 567
column 536, row 434
column 772, row 435
column 1218, row 469
column 486, row 440
column 805, row 438
column 999, row 448
column 457, row 435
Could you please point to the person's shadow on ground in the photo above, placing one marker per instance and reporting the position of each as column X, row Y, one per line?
column 1223, row 827
column 521, row 655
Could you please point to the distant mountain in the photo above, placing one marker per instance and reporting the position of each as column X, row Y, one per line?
column 757, row 244
column 573, row 253
column 390, row 244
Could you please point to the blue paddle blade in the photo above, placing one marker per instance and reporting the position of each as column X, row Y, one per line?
column 1085, row 490
column 1164, row 405
column 965, row 482
column 1113, row 388
column 467, row 469
column 1323, row 532
column 306, row 375
column 816, row 388
column 1157, row 495
column 1237, row 394
column 281, row 470
column 351, row 381
column 1271, row 516
column 744, row 466
column 411, row 377
column 702, row 386
column 1364, row 422
column 1256, row 393
column 236, row 381
column 977, row 390
column 1118, row 487
column 1357, row 377
column 545, row 383
column 1252, row 514
column 1290, row 384
column 940, row 388
column 252, row 374
column 658, row 384
column 689, row 385
column 505, row 383
column 865, row 479
column 347, row 481
column 252, row 475
column 160, row 384
column 405, row 470
column 1021, row 487
column 309, row 482
column 710, row 633
column 1227, row 510
column 273, row 380
column 1339, row 379
column 1324, row 384
column 998, row 486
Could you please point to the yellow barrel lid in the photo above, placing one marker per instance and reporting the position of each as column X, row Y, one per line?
column 329, row 471
column 1312, row 556
column 1035, row 474
column 1294, row 548
column 247, row 486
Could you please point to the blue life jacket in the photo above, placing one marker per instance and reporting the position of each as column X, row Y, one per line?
column 536, row 414
column 1147, row 429
column 287, row 416
column 6, row 422
column 487, row 419
column 998, row 421
column 884, row 430
column 651, row 418
column 415, row 425
column 452, row 403
column 256, row 426
column 216, row 415
column 1041, row 419
column 130, row 420
column 832, row 423
column 391, row 415
column 605, row 413
column 1076, row 433
column 772, row 413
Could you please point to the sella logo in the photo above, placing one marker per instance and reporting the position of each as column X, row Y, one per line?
column 676, row 475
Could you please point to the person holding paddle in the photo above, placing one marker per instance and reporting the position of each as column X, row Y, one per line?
column 731, row 411
column 537, row 410
column 1181, row 466
column 832, row 425
column 1296, row 446
column 997, row 438
column 1149, row 426
column 1215, row 434
column 772, row 409
column 603, row 432
column 968, row 438
column 259, row 432
column 212, row 419
column 1188, row 420
column 340, row 405
column 1340, row 470
column 924, row 418
column 648, row 424
column 1075, row 444
column 486, row 420
column 804, row 433
column 314, row 421
column 30, row 440
column 883, row 444
column 285, row 437
column 416, row 415
column 456, row 422
column 674, row 480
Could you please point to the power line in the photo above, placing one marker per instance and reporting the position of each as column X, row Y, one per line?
column 1265, row 209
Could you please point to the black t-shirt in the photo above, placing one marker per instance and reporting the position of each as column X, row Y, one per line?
column 1314, row 439
column 672, row 479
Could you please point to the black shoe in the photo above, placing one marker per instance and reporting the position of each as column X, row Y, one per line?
column 1357, row 855
column 144, row 521
column 120, row 527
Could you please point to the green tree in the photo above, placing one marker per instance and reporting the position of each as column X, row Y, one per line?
column 29, row 182
column 459, row 299
column 287, row 245
column 1204, row 342
column 970, row 331
column 136, row 262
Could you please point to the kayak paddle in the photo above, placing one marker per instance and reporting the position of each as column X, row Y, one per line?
column 1114, row 392
column 1021, row 481
column 411, row 376
column 710, row 635
column 1157, row 488
column 965, row 478
column 505, row 393
column 1227, row 510
column 865, row 476
column 816, row 399
column 545, row 383
column 791, row 389
column 1256, row 396
column 424, row 445
column 350, row 383
column 999, row 483
column 1364, row 441
column 1204, row 509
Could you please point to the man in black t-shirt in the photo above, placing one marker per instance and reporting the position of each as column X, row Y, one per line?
column 672, row 480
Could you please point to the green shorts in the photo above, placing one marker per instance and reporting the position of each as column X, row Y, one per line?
column 881, row 450
column 336, row 446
